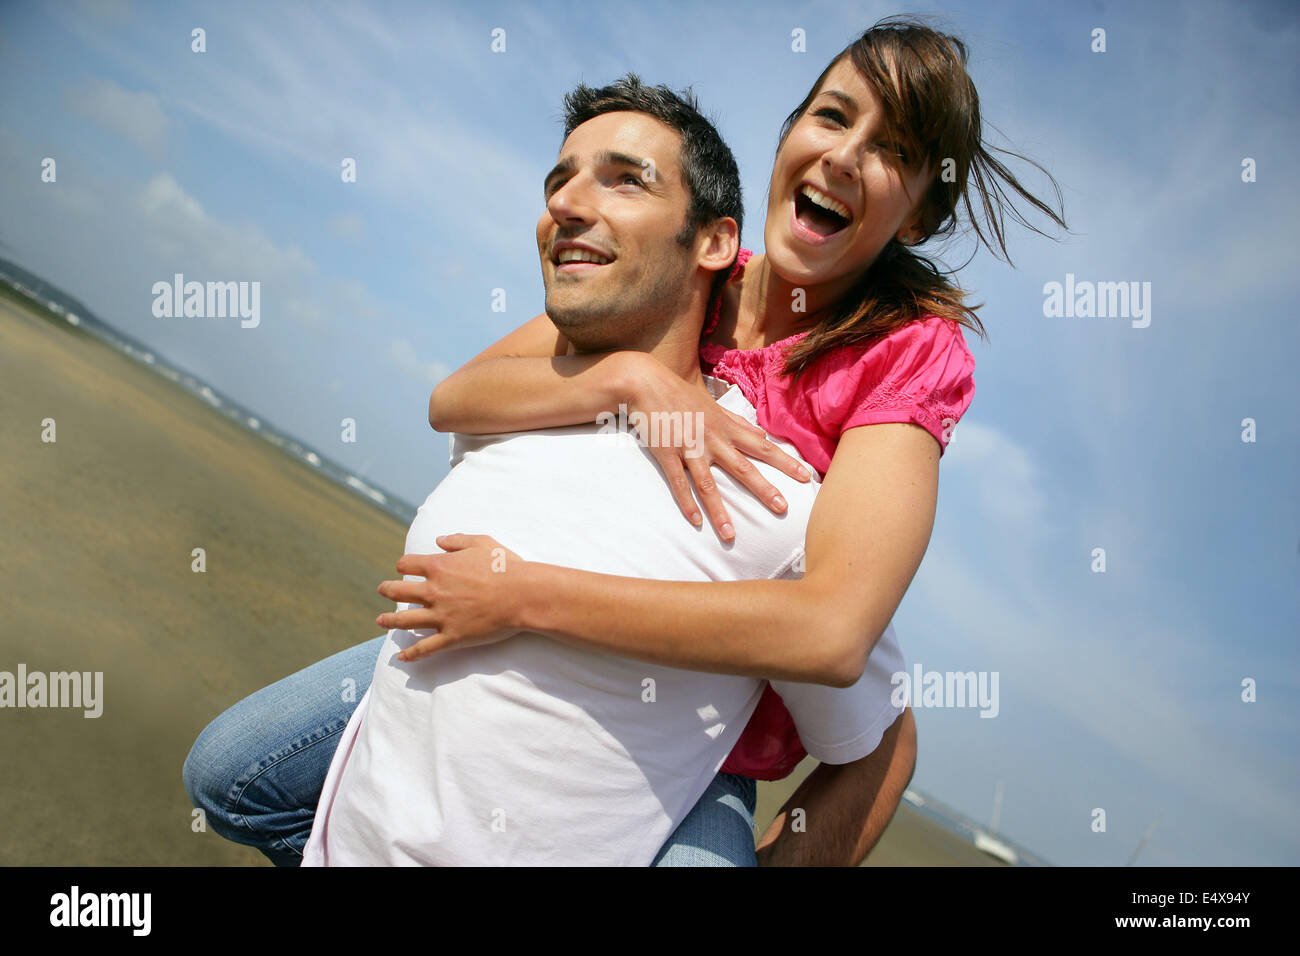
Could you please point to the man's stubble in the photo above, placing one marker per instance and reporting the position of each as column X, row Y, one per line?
column 635, row 314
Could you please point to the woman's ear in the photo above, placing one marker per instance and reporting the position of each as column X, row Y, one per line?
column 717, row 244
column 911, row 233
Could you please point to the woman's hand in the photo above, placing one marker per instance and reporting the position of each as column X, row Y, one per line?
column 468, row 595
column 687, row 431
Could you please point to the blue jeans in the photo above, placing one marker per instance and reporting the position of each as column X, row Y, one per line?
column 257, row 770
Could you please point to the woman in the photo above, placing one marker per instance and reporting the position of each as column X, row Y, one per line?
column 837, row 326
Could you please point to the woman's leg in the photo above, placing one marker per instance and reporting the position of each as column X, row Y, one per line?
column 258, row 769
column 719, row 831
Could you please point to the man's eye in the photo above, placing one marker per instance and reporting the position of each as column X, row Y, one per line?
column 633, row 178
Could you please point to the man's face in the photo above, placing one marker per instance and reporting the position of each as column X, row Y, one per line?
column 615, row 204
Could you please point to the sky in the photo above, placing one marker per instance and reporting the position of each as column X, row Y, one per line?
column 1119, row 690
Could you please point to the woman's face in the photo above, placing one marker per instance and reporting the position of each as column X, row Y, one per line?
column 838, row 193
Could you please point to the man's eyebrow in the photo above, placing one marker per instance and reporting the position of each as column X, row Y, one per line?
column 609, row 157
column 615, row 158
column 565, row 165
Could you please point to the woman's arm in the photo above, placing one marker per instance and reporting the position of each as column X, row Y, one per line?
column 867, row 534
column 525, row 382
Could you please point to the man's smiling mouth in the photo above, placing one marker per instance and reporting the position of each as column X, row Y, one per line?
column 581, row 255
column 570, row 256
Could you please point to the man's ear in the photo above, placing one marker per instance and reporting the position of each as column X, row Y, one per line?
column 717, row 243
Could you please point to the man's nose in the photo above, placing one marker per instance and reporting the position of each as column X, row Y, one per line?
column 571, row 203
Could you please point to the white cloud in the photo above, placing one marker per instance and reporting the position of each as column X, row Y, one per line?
column 305, row 312
column 135, row 116
column 353, row 300
column 409, row 363
column 192, row 240
column 347, row 225
column 1003, row 473
column 308, row 104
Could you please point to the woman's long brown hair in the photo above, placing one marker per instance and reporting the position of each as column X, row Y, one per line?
column 932, row 108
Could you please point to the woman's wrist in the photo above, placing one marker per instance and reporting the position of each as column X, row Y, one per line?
column 527, row 612
column 635, row 372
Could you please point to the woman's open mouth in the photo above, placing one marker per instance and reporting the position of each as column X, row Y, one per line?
column 817, row 216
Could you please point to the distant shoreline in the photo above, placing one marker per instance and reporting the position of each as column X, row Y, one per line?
column 86, row 323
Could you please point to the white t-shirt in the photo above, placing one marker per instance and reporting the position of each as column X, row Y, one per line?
column 530, row 751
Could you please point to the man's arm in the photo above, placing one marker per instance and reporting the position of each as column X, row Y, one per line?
column 844, row 808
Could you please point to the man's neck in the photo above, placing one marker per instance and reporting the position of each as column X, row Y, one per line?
column 674, row 340
column 679, row 350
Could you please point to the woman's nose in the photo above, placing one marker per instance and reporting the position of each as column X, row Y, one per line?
column 841, row 161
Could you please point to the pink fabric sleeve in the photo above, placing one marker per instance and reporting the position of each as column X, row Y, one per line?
column 922, row 373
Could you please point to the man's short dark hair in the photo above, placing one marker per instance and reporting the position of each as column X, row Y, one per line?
column 709, row 168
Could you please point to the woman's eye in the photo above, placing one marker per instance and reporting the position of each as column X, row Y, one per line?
column 832, row 114
column 897, row 150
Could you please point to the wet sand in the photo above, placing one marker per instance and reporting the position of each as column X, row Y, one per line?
column 99, row 529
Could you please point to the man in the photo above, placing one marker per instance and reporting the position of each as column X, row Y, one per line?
column 525, row 751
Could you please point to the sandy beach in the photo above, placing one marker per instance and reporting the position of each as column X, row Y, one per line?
column 99, row 530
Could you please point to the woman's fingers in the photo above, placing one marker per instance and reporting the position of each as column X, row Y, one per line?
column 405, row 592
column 408, row 620
column 729, row 441
column 753, row 441
column 670, row 460
column 766, row 451
column 424, row 647
column 732, row 450
column 737, row 465
column 706, row 489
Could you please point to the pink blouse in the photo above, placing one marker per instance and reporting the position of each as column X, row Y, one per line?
column 920, row 373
